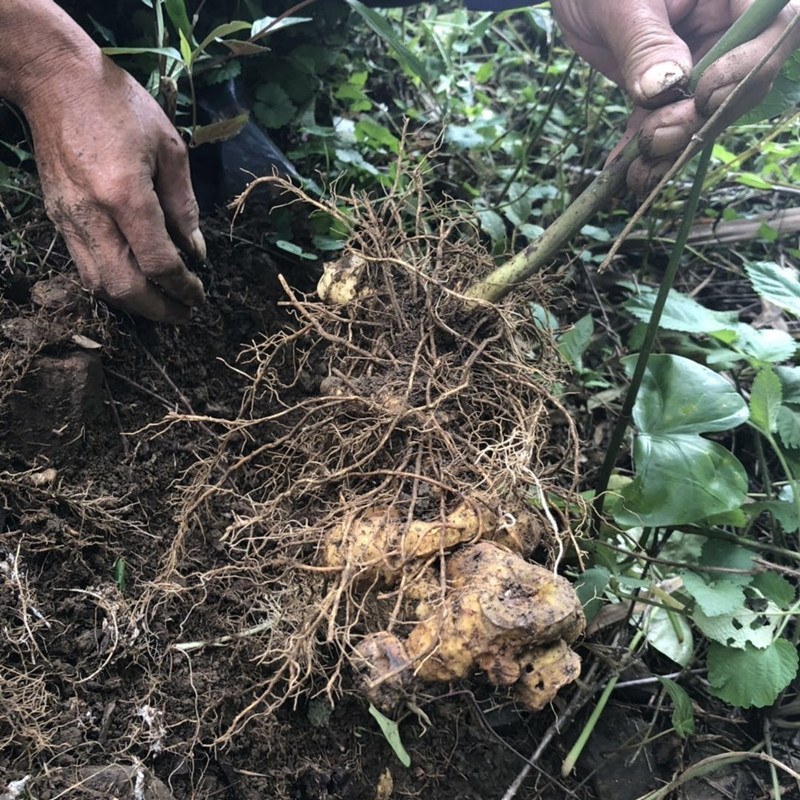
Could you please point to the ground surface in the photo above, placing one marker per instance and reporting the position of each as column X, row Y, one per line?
column 98, row 701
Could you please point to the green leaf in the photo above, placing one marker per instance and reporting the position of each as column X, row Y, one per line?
column 783, row 511
column 714, row 598
column 220, row 32
column 267, row 25
column 294, row 249
column 492, row 223
column 790, row 383
column 681, row 312
column 219, row 131
column 384, row 29
column 741, row 628
column 749, row 677
column 683, row 712
column 680, row 396
column 186, row 50
column 273, row 106
column 764, row 344
column 670, row 634
column 681, row 477
column 728, row 555
column 788, row 424
column 765, row 400
column 370, row 131
column 573, row 342
column 170, row 52
column 391, row 731
column 775, row 588
column 778, row 284
column 784, row 95
column 176, row 11
column 589, row 587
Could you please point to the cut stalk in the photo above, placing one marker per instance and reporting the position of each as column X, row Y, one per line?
column 607, row 184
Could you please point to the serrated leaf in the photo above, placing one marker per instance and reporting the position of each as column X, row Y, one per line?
column 751, row 678
column 683, row 712
column 765, row 400
column 728, row 555
column 681, row 312
column 670, row 634
column 783, row 511
column 790, row 383
column 743, row 627
column 391, row 732
column 764, row 344
column 788, row 425
column 715, row 597
column 775, row 588
column 778, row 284
column 589, row 587
column 573, row 342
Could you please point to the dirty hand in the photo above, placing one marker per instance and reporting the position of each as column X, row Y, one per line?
column 649, row 48
column 113, row 170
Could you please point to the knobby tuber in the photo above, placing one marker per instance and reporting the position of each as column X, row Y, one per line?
column 499, row 613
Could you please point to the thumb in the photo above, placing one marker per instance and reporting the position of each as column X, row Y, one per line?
column 653, row 60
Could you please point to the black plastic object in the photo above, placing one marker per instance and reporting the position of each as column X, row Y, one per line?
column 223, row 170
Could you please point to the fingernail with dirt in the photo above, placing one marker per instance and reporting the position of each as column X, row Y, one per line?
column 198, row 245
column 660, row 78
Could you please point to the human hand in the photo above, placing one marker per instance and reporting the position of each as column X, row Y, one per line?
column 115, row 177
column 649, row 48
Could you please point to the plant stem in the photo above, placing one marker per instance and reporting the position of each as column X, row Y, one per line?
column 575, row 753
column 538, row 254
column 624, row 418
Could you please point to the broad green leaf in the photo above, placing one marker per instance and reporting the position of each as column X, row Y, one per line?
column 765, row 400
column 492, row 223
column 573, row 342
column 369, row 130
column 598, row 234
column 589, row 586
column 729, row 555
column 788, row 424
column 683, row 713
column 681, row 312
column 778, row 284
column 715, row 597
column 680, row 479
column 752, row 180
column 742, row 627
column 670, row 634
column 680, row 396
column 775, row 588
column 391, row 731
column 465, row 137
column 751, row 678
column 273, row 106
column 384, row 29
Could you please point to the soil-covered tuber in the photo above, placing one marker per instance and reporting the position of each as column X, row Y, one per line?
column 512, row 619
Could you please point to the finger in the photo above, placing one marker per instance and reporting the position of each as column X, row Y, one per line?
column 643, row 175
column 653, row 60
column 108, row 270
column 174, row 189
column 721, row 79
column 142, row 224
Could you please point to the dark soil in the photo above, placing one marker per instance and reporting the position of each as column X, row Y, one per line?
column 94, row 689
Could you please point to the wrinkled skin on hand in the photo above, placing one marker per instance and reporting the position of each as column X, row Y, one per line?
column 116, row 182
column 649, row 48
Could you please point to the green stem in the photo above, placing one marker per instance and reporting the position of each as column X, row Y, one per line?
column 607, row 184
column 624, row 418
column 575, row 753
